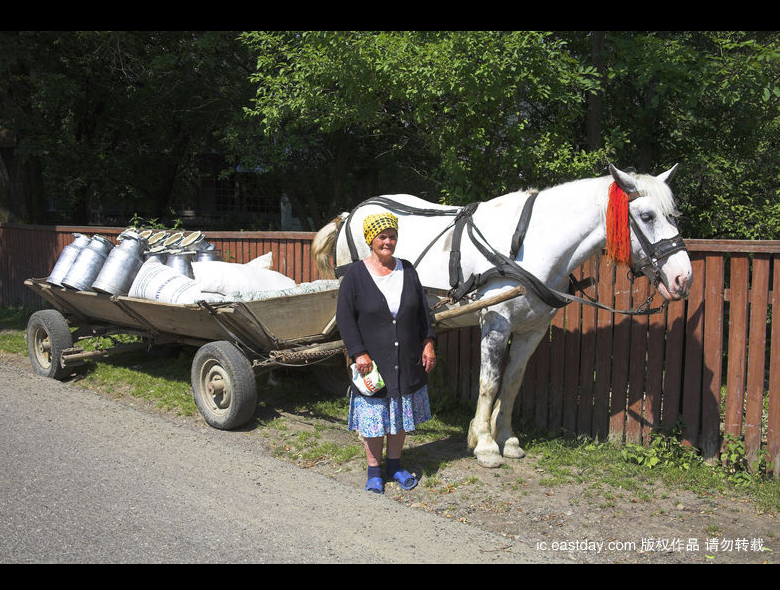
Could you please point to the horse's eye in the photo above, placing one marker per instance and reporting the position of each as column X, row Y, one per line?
column 647, row 216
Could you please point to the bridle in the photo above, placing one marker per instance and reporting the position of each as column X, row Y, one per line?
column 653, row 252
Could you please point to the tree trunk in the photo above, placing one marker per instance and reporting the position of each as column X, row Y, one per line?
column 596, row 101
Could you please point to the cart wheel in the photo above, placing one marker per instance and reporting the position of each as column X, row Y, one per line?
column 48, row 335
column 224, row 385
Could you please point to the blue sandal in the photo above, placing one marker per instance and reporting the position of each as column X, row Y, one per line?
column 375, row 484
column 405, row 479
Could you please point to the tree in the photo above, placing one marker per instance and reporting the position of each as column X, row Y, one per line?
column 117, row 117
column 331, row 118
column 708, row 100
column 470, row 115
column 474, row 114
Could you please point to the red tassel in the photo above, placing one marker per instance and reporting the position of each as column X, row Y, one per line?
column 618, row 235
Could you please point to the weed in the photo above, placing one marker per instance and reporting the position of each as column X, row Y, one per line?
column 736, row 466
column 664, row 449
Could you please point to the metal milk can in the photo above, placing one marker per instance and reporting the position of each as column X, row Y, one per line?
column 159, row 252
column 208, row 255
column 173, row 240
column 191, row 241
column 67, row 258
column 121, row 265
column 181, row 261
column 157, row 238
column 206, row 251
column 88, row 264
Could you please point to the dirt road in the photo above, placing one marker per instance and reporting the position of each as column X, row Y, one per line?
column 87, row 479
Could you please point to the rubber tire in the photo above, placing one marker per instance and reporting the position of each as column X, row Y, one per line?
column 222, row 363
column 48, row 327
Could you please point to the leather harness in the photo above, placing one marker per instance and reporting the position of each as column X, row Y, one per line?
column 505, row 266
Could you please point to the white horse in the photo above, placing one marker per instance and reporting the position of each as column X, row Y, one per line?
column 567, row 225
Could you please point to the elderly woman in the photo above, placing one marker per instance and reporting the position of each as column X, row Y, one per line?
column 383, row 318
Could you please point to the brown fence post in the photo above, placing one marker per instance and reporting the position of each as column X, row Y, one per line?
column 773, row 418
column 754, row 392
column 738, row 323
column 712, row 356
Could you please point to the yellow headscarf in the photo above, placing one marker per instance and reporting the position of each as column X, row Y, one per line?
column 373, row 225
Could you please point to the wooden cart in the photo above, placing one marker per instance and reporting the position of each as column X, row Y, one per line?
column 236, row 341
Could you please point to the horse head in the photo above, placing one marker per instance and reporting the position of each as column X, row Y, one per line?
column 656, row 247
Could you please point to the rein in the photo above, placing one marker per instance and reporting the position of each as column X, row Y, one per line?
column 505, row 266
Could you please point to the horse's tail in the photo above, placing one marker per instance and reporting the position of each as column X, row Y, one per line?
column 324, row 244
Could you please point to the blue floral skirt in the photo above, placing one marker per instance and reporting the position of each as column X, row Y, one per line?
column 373, row 417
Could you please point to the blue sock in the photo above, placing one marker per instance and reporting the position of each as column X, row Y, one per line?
column 393, row 465
column 374, row 471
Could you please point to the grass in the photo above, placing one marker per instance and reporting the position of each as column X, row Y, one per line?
column 164, row 381
column 600, row 468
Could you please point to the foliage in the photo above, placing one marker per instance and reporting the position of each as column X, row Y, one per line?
column 710, row 101
column 329, row 118
column 474, row 115
column 664, row 449
column 13, row 323
column 477, row 114
column 116, row 117
column 735, row 465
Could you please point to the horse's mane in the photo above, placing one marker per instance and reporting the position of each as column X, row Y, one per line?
column 650, row 186
column 659, row 192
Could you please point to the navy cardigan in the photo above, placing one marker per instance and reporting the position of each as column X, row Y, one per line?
column 394, row 344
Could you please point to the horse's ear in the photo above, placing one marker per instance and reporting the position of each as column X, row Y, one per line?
column 668, row 175
column 623, row 180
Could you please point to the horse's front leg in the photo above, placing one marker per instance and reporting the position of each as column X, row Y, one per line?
column 520, row 350
column 495, row 335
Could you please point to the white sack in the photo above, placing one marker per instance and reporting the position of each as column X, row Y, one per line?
column 264, row 261
column 229, row 278
column 158, row 282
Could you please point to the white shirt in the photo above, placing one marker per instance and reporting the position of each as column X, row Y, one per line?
column 391, row 286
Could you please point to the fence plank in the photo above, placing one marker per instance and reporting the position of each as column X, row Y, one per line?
column 620, row 359
column 587, row 361
column 712, row 356
column 571, row 363
column 738, row 322
column 636, row 363
column 603, row 378
column 675, row 339
column 526, row 403
column 655, row 371
column 773, row 417
column 691, row 410
column 754, row 392
column 542, row 391
column 557, row 370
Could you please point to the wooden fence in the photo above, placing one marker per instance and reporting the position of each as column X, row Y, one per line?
column 711, row 362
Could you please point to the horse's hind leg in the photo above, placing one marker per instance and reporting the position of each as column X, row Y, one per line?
column 520, row 350
column 495, row 335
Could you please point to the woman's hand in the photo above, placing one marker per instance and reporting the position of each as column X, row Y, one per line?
column 428, row 355
column 364, row 363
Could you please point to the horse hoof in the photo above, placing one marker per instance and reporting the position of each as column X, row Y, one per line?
column 512, row 450
column 489, row 460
